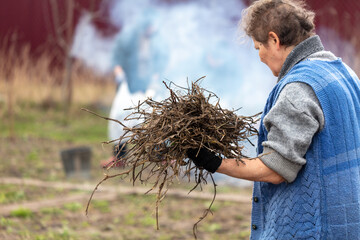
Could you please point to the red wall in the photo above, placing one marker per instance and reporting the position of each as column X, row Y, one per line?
column 32, row 21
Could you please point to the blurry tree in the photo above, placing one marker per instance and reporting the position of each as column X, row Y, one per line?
column 63, row 26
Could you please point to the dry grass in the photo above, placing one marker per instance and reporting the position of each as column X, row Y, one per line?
column 25, row 79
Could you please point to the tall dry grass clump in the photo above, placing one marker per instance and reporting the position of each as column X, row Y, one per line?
column 27, row 80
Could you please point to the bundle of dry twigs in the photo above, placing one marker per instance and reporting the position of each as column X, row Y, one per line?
column 157, row 146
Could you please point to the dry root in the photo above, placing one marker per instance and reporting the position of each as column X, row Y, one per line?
column 190, row 118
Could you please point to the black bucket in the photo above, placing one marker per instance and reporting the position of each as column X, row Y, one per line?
column 77, row 162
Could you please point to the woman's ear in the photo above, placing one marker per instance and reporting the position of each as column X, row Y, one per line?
column 274, row 40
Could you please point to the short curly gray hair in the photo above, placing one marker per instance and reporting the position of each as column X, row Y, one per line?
column 291, row 20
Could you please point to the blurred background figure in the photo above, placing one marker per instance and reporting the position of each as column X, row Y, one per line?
column 114, row 129
column 141, row 52
column 139, row 56
column 119, row 76
column 124, row 99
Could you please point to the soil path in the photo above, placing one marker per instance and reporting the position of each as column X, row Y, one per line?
column 107, row 193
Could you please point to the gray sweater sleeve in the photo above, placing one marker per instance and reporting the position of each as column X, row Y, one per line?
column 291, row 124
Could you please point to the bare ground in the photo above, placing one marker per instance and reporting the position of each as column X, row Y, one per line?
column 37, row 201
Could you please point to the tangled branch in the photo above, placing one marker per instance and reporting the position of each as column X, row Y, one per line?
column 157, row 146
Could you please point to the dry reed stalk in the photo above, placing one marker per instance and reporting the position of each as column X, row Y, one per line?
column 34, row 80
column 167, row 129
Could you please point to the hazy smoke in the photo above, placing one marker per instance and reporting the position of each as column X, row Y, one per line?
column 200, row 39
column 91, row 47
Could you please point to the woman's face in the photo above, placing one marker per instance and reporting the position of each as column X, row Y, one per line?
column 270, row 55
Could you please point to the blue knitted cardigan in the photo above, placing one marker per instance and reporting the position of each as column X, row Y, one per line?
column 324, row 200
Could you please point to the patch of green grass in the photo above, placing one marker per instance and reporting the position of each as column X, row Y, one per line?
column 21, row 213
column 11, row 196
column 34, row 159
column 129, row 219
column 33, row 156
column 148, row 221
column 40, row 237
column 85, row 224
column 11, row 193
column 140, row 199
column 51, row 211
column 245, row 225
column 65, row 222
column 65, row 234
column 79, row 126
column 96, row 236
column 102, row 205
column 116, row 220
column 73, row 206
column 62, row 234
column 177, row 214
column 239, row 217
column 25, row 234
column 135, row 234
column 164, row 237
column 212, row 227
column 5, row 222
column 217, row 237
column 244, row 234
column 215, row 207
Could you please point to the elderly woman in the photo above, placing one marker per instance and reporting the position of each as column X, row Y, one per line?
column 307, row 174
